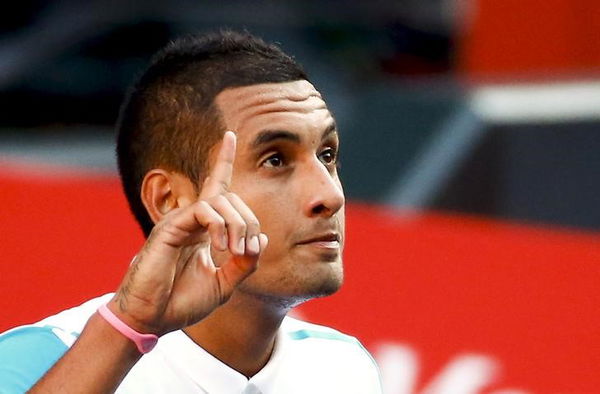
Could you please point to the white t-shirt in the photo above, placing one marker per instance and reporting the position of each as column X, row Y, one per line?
column 307, row 358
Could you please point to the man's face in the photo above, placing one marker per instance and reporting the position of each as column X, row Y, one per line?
column 285, row 171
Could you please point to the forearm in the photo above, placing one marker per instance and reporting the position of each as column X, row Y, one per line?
column 96, row 363
column 172, row 283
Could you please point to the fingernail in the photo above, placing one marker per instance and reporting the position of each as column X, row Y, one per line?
column 253, row 245
column 242, row 245
column 264, row 241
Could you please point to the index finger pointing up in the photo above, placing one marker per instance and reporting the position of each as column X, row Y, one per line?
column 220, row 176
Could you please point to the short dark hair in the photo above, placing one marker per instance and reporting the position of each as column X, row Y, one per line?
column 169, row 119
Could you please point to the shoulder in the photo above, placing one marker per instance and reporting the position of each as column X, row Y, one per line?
column 327, row 349
column 27, row 352
column 298, row 330
column 74, row 319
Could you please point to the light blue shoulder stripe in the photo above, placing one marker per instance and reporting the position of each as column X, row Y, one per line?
column 25, row 355
column 337, row 336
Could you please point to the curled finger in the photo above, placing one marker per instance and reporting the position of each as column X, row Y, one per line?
column 252, row 223
column 234, row 222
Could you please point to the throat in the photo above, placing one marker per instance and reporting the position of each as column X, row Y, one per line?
column 242, row 337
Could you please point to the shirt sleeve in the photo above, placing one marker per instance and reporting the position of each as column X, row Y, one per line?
column 26, row 354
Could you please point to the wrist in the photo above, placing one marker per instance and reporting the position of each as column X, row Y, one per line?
column 144, row 342
column 117, row 342
column 136, row 321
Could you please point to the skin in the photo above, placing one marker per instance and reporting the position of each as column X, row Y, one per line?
column 206, row 268
column 291, row 184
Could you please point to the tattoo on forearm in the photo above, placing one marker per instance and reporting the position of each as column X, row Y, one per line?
column 123, row 292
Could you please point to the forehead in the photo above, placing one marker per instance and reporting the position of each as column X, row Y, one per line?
column 294, row 106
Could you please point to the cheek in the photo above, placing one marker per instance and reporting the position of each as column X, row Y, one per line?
column 274, row 202
column 265, row 196
column 272, row 212
column 273, row 207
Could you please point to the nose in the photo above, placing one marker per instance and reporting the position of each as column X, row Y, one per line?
column 324, row 193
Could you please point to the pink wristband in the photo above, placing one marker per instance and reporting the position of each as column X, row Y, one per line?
column 144, row 342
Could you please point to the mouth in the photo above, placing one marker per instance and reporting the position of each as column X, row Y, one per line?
column 328, row 241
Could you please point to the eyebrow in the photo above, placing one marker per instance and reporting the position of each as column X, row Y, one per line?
column 332, row 128
column 266, row 136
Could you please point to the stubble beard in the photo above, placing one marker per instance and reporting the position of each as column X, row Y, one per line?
column 291, row 290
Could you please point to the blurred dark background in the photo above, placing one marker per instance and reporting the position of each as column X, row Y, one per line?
column 442, row 104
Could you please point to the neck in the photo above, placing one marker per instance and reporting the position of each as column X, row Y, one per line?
column 240, row 333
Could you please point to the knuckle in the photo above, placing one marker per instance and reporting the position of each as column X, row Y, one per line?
column 202, row 208
column 168, row 228
column 214, row 218
column 156, row 230
column 241, row 225
column 202, row 205
column 253, row 225
column 231, row 196
column 223, row 185
column 218, row 220
column 236, row 225
column 218, row 201
column 209, row 213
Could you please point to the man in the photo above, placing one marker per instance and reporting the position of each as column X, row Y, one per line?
column 241, row 226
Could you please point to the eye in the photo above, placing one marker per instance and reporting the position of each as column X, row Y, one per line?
column 274, row 161
column 328, row 156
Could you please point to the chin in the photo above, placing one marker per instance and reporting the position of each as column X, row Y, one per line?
column 325, row 287
column 294, row 288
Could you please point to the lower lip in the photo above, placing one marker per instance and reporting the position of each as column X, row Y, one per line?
column 323, row 244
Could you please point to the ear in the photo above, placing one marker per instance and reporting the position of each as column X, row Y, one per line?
column 162, row 191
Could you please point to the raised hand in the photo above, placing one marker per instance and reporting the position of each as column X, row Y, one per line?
column 173, row 281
